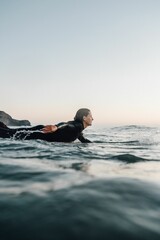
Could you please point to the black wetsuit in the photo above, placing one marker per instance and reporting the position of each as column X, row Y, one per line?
column 66, row 132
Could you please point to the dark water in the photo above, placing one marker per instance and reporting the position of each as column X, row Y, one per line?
column 109, row 189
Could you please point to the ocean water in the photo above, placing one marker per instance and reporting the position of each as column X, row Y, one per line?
column 108, row 189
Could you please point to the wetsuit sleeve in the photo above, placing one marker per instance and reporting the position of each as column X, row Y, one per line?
column 83, row 139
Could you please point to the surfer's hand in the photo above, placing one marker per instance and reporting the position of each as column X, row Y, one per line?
column 49, row 128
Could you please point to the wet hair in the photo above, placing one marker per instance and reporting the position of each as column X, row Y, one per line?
column 81, row 113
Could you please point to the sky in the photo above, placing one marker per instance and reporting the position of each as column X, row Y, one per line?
column 57, row 56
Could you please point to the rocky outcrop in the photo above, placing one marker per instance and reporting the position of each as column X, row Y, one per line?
column 9, row 121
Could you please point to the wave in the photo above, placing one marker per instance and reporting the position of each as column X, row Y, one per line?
column 135, row 142
column 134, row 127
column 129, row 158
column 102, row 209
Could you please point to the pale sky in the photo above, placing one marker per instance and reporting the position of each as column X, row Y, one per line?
column 57, row 56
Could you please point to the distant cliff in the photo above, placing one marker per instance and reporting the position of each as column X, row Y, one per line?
column 9, row 121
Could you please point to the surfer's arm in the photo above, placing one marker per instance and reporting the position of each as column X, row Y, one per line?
column 83, row 139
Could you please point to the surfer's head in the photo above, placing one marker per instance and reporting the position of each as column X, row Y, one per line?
column 84, row 115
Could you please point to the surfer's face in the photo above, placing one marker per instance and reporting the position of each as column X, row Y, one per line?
column 88, row 119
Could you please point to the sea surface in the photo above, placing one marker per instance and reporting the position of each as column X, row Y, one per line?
column 108, row 189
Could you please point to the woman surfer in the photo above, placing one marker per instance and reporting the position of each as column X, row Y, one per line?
column 61, row 132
